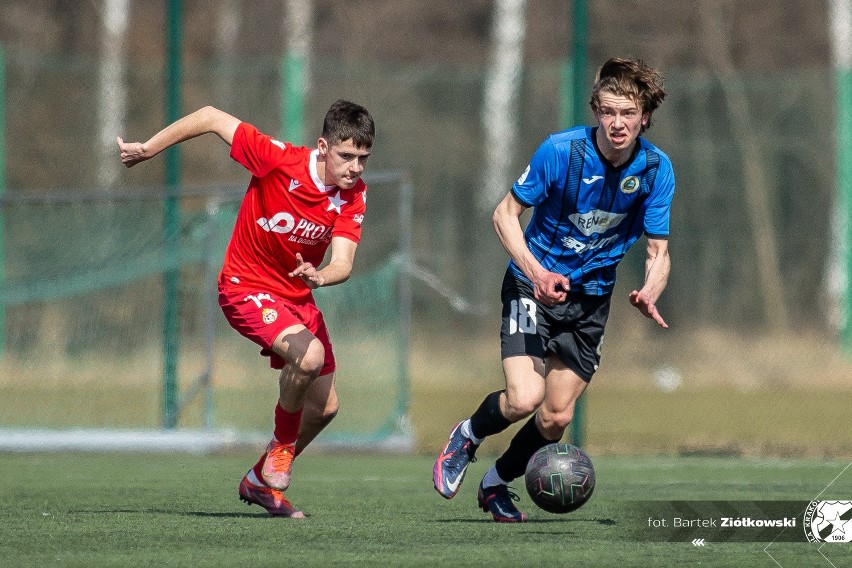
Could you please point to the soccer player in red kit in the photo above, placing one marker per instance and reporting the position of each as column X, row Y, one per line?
column 299, row 202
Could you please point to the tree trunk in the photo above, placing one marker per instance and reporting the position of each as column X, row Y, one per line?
column 837, row 276
column 112, row 88
column 500, row 111
column 228, row 20
column 758, row 194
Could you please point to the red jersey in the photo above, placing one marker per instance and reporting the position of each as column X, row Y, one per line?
column 286, row 210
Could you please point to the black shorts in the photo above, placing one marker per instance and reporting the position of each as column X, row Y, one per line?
column 572, row 331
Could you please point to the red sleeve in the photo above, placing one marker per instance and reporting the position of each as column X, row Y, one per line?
column 257, row 152
column 348, row 223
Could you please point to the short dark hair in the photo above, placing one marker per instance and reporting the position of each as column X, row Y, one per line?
column 347, row 120
column 633, row 79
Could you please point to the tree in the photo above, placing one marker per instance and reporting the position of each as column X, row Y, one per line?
column 500, row 108
column 758, row 194
column 112, row 87
column 838, row 277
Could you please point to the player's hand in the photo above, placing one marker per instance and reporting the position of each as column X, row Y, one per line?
column 307, row 272
column 131, row 153
column 646, row 305
column 551, row 288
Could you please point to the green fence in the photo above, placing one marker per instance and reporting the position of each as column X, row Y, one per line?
column 742, row 314
column 84, row 302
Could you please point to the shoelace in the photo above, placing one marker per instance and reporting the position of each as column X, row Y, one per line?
column 468, row 448
column 506, row 490
column 281, row 458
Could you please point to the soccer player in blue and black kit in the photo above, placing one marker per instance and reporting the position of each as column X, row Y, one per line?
column 594, row 191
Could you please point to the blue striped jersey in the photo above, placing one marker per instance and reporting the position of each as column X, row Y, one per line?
column 588, row 213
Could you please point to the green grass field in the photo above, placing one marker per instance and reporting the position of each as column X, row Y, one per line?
column 782, row 440
column 93, row 510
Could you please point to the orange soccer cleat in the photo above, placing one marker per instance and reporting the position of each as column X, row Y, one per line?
column 277, row 463
column 270, row 499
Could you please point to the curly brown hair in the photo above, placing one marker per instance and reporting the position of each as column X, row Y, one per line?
column 633, row 79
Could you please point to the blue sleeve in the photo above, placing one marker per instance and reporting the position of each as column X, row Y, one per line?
column 533, row 186
column 659, row 202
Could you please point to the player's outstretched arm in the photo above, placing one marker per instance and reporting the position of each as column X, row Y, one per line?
column 657, row 268
column 202, row 121
column 548, row 287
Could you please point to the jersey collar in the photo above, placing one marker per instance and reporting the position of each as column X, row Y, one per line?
column 635, row 152
column 315, row 175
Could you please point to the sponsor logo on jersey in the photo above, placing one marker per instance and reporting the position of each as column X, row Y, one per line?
column 596, row 221
column 294, row 183
column 630, row 184
column 591, row 180
column 579, row 246
column 302, row 232
column 274, row 224
column 524, row 175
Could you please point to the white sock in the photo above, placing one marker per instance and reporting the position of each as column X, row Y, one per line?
column 468, row 433
column 253, row 478
column 491, row 478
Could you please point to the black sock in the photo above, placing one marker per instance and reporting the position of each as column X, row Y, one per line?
column 488, row 419
column 527, row 441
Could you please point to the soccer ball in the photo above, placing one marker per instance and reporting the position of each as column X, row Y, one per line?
column 560, row 478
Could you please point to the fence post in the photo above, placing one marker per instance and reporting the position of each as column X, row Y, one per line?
column 578, row 105
column 171, row 221
column 211, row 305
column 293, row 97
column 2, row 191
column 840, row 18
column 406, row 227
column 844, row 188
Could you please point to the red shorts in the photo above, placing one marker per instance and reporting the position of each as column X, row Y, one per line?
column 261, row 316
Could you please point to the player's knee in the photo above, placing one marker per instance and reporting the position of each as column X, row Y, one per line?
column 519, row 407
column 312, row 361
column 554, row 422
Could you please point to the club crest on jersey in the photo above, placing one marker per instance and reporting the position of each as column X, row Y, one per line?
column 269, row 315
column 335, row 202
column 629, row 185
